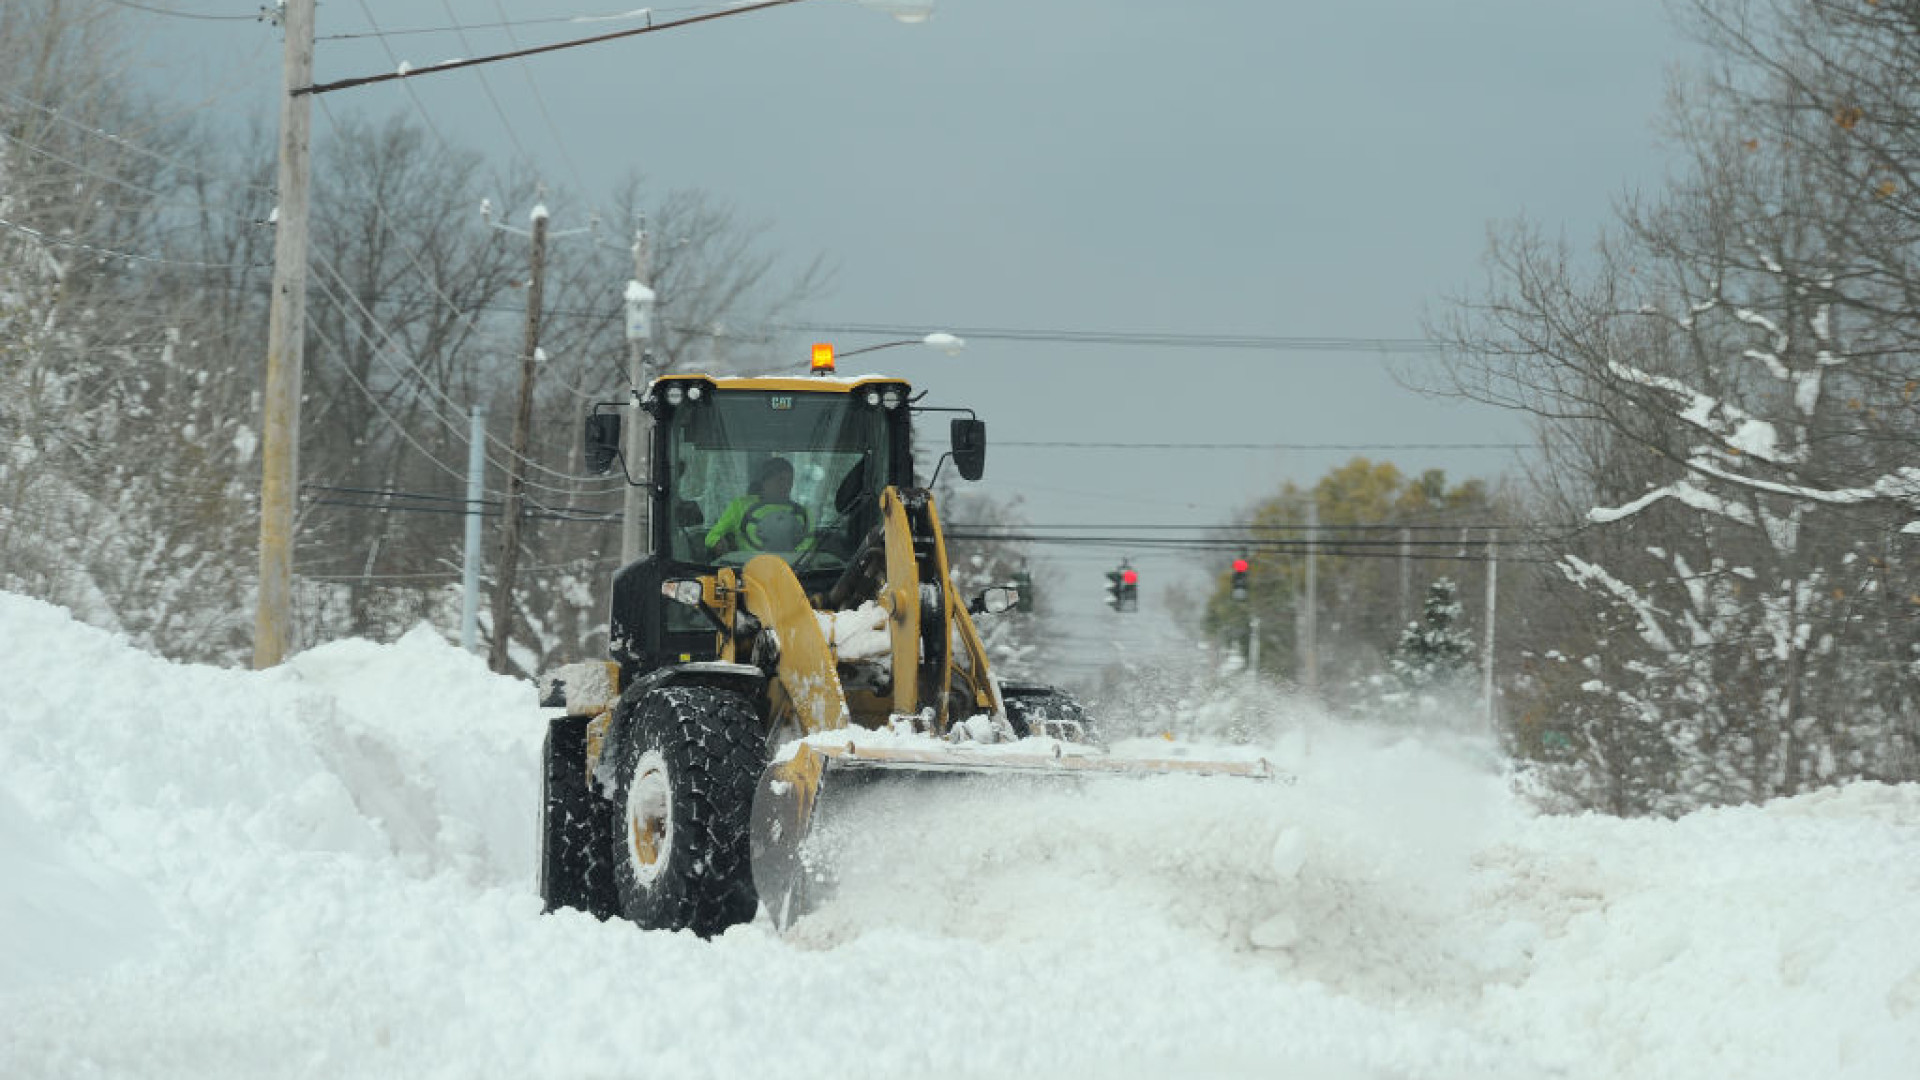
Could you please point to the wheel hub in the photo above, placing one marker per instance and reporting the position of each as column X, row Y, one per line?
column 649, row 818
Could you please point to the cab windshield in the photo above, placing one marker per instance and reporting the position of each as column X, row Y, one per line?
column 794, row 474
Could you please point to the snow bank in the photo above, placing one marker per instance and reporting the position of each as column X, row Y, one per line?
column 327, row 870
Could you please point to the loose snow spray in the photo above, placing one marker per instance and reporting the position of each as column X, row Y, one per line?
column 1350, row 867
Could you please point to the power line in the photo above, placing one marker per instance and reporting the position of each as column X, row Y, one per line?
column 171, row 13
column 459, row 504
column 1206, row 543
column 1302, row 528
column 508, row 24
column 455, row 423
column 1162, row 338
column 539, row 99
column 485, row 87
column 1062, row 445
column 424, row 385
column 454, row 65
column 113, row 253
column 85, row 129
column 541, row 513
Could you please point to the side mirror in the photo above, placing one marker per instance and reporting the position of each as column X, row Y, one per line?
column 970, row 447
column 995, row 599
column 602, row 443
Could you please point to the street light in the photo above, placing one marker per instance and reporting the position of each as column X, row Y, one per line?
column 906, row 11
column 945, row 342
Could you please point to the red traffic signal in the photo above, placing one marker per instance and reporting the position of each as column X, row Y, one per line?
column 1239, row 566
column 1129, row 577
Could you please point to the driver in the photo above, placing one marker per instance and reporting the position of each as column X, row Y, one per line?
column 764, row 519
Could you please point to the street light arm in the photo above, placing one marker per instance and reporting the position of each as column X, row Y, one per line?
column 945, row 342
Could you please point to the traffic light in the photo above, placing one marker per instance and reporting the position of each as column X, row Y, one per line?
column 1023, row 581
column 1240, row 578
column 1123, row 588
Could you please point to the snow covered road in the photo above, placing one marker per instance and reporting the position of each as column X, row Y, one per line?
column 327, row 870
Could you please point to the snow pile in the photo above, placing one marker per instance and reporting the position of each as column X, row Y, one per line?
column 328, row 870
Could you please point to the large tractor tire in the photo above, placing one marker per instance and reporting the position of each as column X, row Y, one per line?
column 576, row 831
column 687, row 762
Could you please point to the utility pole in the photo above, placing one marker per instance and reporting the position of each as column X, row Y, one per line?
column 640, row 300
column 286, row 327
column 522, row 421
column 1406, row 576
column 1309, row 620
column 476, row 492
column 1486, row 657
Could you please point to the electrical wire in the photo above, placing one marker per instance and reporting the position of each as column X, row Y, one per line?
column 539, row 99
column 1066, row 445
column 518, row 54
column 463, row 504
column 1466, row 550
column 1164, row 339
column 338, row 353
column 1300, row 528
column 505, row 451
column 507, row 24
column 171, row 13
column 123, row 142
column 453, row 419
column 114, row 253
column 485, row 88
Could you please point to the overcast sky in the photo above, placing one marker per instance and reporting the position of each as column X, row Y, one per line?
column 1213, row 167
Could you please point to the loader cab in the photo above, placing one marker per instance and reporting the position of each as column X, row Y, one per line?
column 712, row 442
column 824, row 449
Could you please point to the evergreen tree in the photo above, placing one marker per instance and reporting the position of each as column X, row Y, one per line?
column 1434, row 653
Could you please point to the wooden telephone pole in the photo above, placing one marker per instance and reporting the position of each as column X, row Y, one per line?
column 509, row 564
column 286, row 329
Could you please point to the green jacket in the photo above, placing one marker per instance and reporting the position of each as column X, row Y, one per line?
column 751, row 523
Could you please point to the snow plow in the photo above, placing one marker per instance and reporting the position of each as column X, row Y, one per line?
column 794, row 636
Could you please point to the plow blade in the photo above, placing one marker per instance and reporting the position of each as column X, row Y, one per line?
column 791, row 792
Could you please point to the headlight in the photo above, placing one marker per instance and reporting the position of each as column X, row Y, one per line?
column 683, row 591
column 693, row 392
column 675, row 394
column 873, row 397
column 891, row 398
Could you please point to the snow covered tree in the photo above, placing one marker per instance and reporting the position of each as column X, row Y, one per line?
column 1726, row 400
column 122, row 414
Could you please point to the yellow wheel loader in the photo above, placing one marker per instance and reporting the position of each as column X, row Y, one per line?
column 794, row 630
